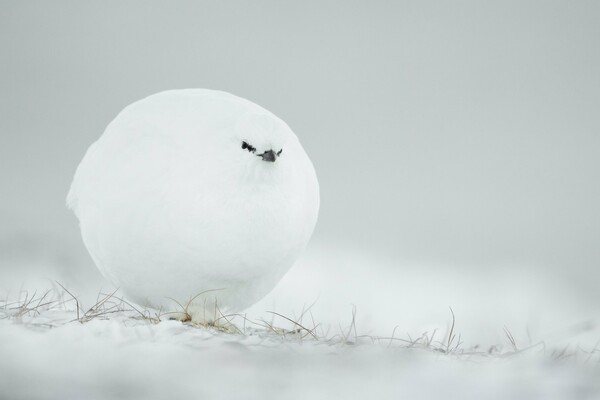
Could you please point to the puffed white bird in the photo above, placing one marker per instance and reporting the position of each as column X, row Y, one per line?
column 195, row 199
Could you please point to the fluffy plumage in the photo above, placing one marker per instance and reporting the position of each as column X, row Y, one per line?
column 172, row 204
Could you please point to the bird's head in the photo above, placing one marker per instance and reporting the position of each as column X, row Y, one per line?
column 267, row 155
column 263, row 138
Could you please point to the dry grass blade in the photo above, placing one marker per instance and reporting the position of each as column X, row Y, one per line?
column 185, row 309
column 309, row 331
column 74, row 298
column 25, row 307
column 99, row 308
column 154, row 320
column 451, row 333
column 352, row 326
column 39, row 304
column 511, row 338
column 392, row 337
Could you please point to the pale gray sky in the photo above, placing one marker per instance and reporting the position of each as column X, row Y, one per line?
column 464, row 132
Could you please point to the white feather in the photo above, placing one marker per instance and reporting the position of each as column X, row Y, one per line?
column 171, row 206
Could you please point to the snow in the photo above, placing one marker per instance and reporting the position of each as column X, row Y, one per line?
column 46, row 353
column 121, row 358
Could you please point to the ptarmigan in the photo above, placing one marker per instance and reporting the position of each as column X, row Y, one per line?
column 196, row 197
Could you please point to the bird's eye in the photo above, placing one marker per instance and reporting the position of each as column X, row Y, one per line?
column 248, row 147
column 279, row 152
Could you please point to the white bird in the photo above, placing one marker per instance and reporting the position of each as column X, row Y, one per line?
column 195, row 199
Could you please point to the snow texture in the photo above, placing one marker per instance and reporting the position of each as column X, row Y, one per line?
column 113, row 351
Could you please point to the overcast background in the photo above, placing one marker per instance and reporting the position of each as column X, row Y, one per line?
column 458, row 134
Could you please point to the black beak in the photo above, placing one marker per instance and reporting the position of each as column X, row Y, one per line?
column 268, row 156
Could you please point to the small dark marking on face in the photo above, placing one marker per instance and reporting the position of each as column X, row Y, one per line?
column 248, row 147
column 279, row 152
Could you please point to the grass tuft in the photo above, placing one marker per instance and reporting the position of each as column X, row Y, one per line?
column 27, row 308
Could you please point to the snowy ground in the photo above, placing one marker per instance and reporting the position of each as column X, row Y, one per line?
column 357, row 334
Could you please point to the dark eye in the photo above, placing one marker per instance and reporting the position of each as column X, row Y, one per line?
column 248, row 147
column 279, row 152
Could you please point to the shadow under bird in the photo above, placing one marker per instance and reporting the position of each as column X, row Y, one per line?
column 196, row 197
